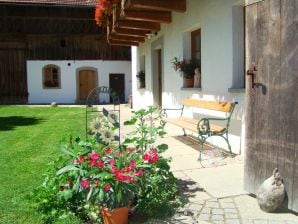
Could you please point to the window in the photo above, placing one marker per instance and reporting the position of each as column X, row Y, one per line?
column 196, row 46
column 51, row 77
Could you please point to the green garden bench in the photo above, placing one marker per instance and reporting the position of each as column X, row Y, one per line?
column 205, row 127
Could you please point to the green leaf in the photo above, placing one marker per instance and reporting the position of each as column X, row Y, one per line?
column 66, row 194
column 67, row 168
column 130, row 122
column 89, row 193
column 163, row 147
column 66, row 151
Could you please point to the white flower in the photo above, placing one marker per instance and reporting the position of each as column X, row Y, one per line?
column 96, row 125
column 107, row 136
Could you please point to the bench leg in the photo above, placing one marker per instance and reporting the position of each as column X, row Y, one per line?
column 202, row 140
column 184, row 133
column 227, row 141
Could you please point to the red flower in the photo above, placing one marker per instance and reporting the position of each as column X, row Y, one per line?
column 107, row 187
column 95, row 156
column 145, row 157
column 96, row 182
column 132, row 164
column 100, row 164
column 85, row 184
column 107, row 150
column 92, row 163
column 139, row 173
column 80, row 160
column 113, row 169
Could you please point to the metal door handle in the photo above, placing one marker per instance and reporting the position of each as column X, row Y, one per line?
column 251, row 73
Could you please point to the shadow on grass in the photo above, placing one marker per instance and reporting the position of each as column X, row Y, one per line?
column 10, row 123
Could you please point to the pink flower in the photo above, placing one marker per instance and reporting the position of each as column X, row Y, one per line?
column 80, row 160
column 113, row 169
column 112, row 161
column 132, row 164
column 145, row 157
column 85, row 184
column 107, row 187
column 92, row 163
column 139, row 173
column 100, row 164
column 95, row 156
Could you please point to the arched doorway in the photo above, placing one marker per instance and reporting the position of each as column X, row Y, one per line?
column 87, row 80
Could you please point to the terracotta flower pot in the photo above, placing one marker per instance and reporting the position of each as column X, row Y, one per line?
column 188, row 83
column 115, row 216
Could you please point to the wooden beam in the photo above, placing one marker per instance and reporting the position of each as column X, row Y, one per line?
column 163, row 5
column 126, row 38
column 131, row 32
column 123, row 43
column 145, row 15
column 130, row 24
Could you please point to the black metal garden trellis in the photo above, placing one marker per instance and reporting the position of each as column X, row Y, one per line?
column 98, row 96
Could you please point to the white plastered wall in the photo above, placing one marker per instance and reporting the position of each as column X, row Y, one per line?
column 68, row 91
column 220, row 61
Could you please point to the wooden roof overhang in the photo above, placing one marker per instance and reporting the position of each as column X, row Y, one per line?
column 134, row 20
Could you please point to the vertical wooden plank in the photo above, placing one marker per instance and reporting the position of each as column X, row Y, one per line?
column 250, row 136
column 261, row 98
column 289, row 96
column 273, row 88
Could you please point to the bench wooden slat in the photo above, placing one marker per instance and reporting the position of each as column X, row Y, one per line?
column 191, row 124
column 210, row 105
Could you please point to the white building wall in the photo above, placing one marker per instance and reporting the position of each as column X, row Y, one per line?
column 68, row 70
column 219, row 27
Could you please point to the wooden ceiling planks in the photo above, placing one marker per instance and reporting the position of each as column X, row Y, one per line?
column 140, row 18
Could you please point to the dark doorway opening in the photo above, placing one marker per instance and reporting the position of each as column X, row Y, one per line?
column 117, row 83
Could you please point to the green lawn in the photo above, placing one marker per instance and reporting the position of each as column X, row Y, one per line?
column 29, row 140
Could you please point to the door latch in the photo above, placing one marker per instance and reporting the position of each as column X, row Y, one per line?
column 251, row 80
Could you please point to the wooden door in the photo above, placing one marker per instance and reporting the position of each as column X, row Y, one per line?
column 117, row 83
column 87, row 82
column 272, row 106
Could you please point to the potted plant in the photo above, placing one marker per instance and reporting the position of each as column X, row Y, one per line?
column 187, row 69
column 141, row 77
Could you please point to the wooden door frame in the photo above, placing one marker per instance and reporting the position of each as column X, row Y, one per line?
column 78, row 79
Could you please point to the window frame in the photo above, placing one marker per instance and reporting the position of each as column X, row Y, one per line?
column 44, row 74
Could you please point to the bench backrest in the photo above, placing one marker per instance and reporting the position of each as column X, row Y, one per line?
column 210, row 105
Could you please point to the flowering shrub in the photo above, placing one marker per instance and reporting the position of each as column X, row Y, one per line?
column 103, row 10
column 186, row 67
column 99, row 173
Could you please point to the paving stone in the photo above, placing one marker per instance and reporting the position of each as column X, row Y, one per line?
column 232, row 221
column 277, row 222
column 217, row 217
column 291, row 222
column 195, row 207
column 217, row 211
column 204, row 217
column 213, row 200
column 247, row 221
column 218, row 222
column 206, row 211
column 231, row 216
column 227, row 205
column 231, row 210
column 226, row 200
column 260, row 221
column 212, row 204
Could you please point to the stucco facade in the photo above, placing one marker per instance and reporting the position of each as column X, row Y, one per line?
column 222, row 60
column 68, row 91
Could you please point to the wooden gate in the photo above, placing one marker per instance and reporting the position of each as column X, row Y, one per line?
column 272, row 102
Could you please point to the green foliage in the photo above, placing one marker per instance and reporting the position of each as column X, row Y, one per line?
column 148, row 127
column 93, row 173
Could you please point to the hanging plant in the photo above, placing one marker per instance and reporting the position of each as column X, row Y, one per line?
column 103, row 10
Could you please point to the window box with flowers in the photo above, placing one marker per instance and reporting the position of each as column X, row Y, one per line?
column 142, row 79
column 190, row 71
column 103, row 11
column 101, row 175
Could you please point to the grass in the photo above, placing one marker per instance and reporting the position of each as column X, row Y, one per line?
column 29, row 140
